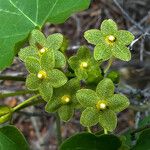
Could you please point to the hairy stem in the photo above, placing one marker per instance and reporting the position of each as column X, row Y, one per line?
column 89, row 130
column 58, row 129
column 14, row 78
column 108, row 65
column 29, row 102
column 16, row 93
column 105, row 131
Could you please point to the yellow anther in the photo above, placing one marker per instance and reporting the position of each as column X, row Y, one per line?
column 111, row 38
column 101, row 105
column 84, row 65
column 43, row 50
column 65, row 99
column 42, row 74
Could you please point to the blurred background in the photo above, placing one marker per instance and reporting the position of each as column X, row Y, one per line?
column 39, row 127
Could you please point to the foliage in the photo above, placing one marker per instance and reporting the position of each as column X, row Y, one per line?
column 80, row 82
column 17, row 21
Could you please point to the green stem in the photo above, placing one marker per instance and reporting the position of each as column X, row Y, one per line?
column 58, row 129
column 105, row 131
column 108, row 65
column 14, row 78
column 16, row 93
column 89, row 130
column 28, row 102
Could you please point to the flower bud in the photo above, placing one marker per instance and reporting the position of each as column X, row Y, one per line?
column 5, row 114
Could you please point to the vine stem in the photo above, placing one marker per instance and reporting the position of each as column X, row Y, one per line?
column 14, row 78
column 109, row 65
column 58, row 129
column 31, row 101
column 16, row 93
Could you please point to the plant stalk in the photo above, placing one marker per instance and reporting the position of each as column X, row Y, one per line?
column 13, row 78
column 108, row 65
column 58, row 129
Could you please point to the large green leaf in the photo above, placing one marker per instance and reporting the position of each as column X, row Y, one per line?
column 88, row 141
column 143, row 142
column 12, row 139
column 19, row 17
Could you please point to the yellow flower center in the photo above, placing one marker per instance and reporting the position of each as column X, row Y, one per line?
column 43, row 50
column 42, row 74
column 101, row 105
column 110, row 39
column 65, row 99
column 84, row 65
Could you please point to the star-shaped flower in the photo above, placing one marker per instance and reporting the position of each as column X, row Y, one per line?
column 84, row 65
column 64, row 100
column 110, row 41
column 43, row 76
column 39, row 44
column 102, row 105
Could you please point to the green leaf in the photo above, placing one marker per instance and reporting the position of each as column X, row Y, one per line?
column 108, row 27
column 17, row 21
column 93, row 36
column 55, row 41
column 108, row 119
column 121, row 52
column 88, row 141
column 105, row 89
column 125, row 37
column 32, row 82
column 144, row 121
column 143, row 141
column 57, row 78
column 33, row 65
column 46, row 90
column 48, row 60
column 65, row 112
column 12, row 139
column 102, row 52
column 118, row 102
column 89, row 117
column 87, row 97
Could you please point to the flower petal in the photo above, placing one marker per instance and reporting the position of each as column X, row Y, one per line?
column 32, row 82
column 57, row 78
column 109, row 27
column 118, row 102
column 33, row 65
column 89, row 117
column 105, row 89
column 102, row 52
column 121, row 52
column 108, row 119
column 93, row 36
column 87, row 97
column 125, row 37
column 46, row 90
column 65, row 112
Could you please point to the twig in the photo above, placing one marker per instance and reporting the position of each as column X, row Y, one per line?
column 13, row 78
column 128, row 17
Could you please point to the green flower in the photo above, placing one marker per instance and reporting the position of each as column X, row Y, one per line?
column 102, row 105
column 39, row 44
column 110, row 41
column 84, row 65
column 43, row 76
column 64, row 100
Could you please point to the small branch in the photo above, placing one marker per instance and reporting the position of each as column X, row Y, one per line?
column 13, row 78
column 16, row 93
column 128, row 17
column 58, row 129
column 29, row 102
